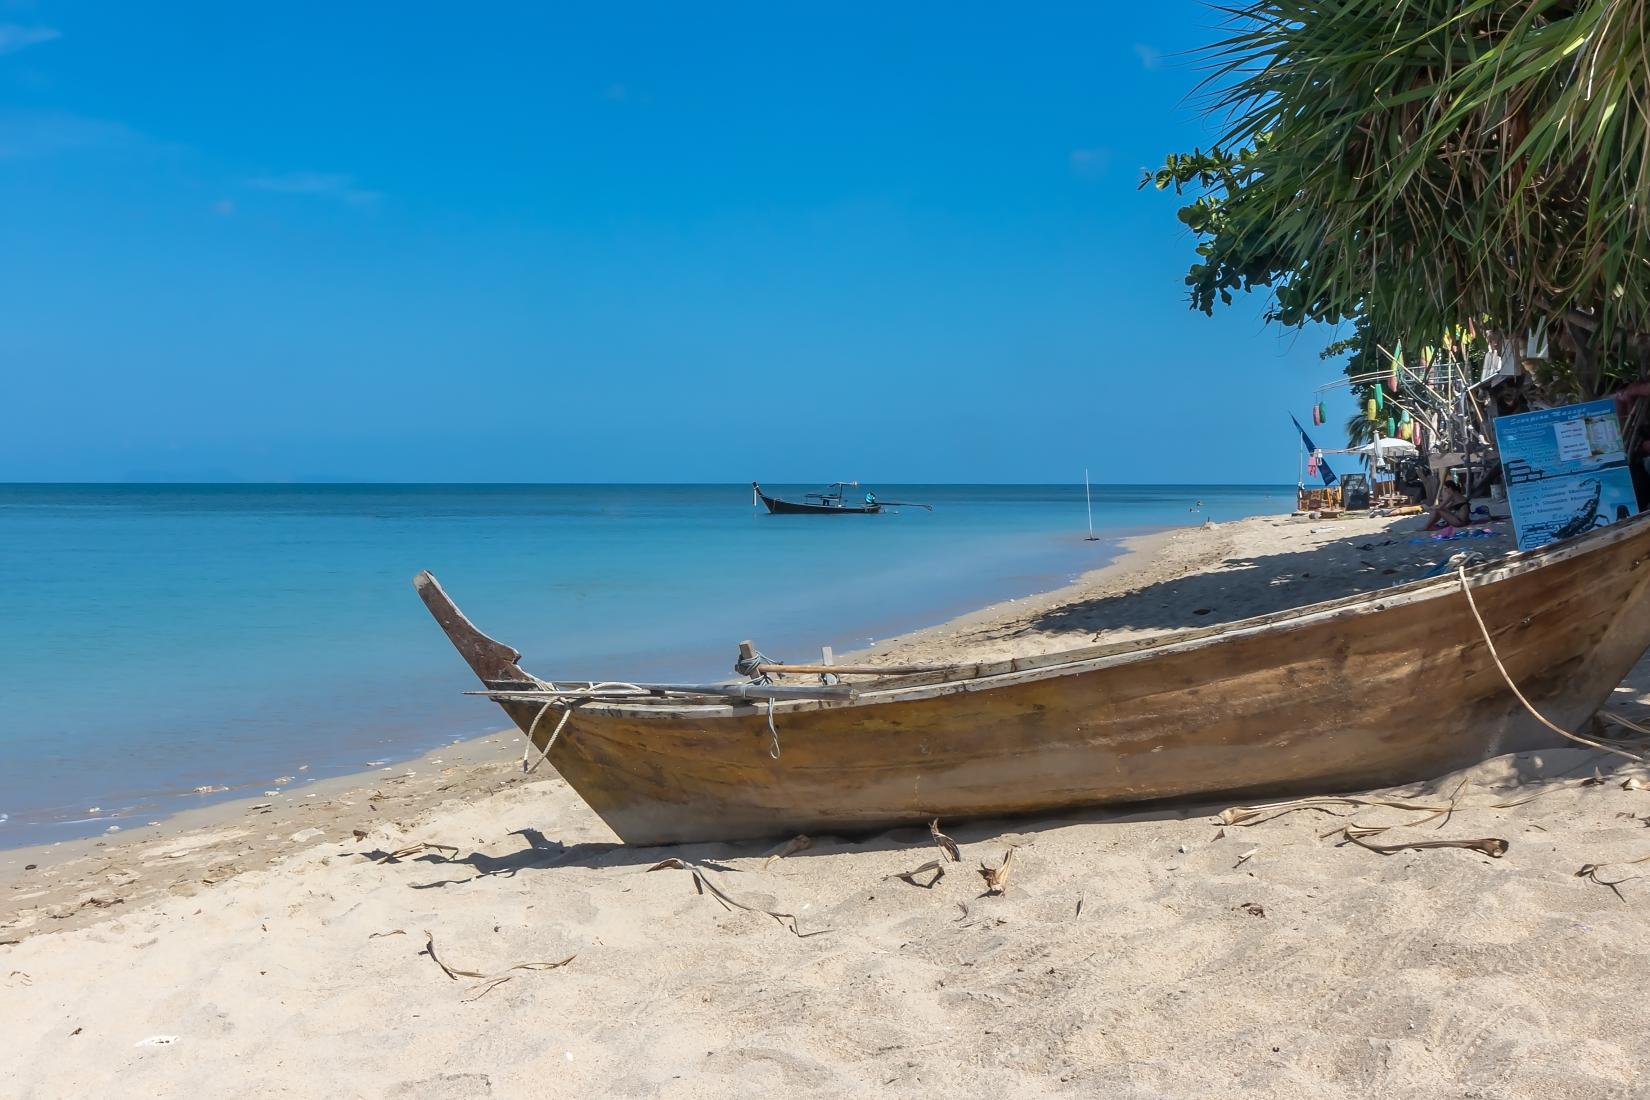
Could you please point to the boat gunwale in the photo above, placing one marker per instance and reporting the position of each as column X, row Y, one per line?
column 981, row 676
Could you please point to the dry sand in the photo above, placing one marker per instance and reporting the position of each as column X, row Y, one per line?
column 270, row 951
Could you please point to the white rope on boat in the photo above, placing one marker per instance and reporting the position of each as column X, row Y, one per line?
column 578, row 699
column 774, row 751
column 544, row 753
column 1461, row 573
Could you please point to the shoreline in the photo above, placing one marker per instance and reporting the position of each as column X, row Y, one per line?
column 64, row 820
column 476, row 766
column 490, row 758
column 151, row 814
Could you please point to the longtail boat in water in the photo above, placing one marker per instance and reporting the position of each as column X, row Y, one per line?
column 1365, row 691
column 831, row 501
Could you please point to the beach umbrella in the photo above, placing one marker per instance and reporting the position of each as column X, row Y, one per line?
column 1385, row 448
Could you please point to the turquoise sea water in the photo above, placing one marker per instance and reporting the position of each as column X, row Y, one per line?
column 158, row 638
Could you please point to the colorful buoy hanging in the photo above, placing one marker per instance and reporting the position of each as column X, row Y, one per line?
column 1371, row 410
column 1391, row 427
column 1405, row 430
column 1380, row 399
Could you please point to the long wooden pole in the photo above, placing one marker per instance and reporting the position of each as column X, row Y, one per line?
column 729, row 691
column 1088, row 499
column 869, row 670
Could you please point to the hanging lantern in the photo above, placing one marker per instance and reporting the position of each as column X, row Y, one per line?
column 1391, row 426
column 1405, row 430
column 1371, row 410
column 1405, row 418
column 1380, row 399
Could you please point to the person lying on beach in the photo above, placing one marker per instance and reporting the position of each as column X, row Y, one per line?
column 1452, row 507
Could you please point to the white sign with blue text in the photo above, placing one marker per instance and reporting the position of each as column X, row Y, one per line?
column 1566, row 471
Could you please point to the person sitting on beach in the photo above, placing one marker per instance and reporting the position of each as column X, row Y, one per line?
column 1452, row 508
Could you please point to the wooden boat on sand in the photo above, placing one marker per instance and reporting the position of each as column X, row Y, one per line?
column 1371, row 690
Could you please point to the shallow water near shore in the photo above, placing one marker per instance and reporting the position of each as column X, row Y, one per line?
column 163, row 638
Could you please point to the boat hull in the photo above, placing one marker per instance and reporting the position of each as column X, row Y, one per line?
column 1370, row 691
column 779, row 507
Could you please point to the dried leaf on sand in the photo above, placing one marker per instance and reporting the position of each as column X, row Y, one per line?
column 946, row 844
column 996, row 878
column 1254, row 815
column 452, row 972
column 488, row 983
column 1589, row 871
column 703, row 884
column 480, row 990
column 1492, row 846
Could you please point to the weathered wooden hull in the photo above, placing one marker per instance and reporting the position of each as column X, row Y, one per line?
column 1368, row 691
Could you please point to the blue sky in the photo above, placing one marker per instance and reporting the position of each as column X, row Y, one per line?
column 614, row 243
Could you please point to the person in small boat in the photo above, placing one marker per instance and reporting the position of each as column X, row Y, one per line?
column 1452, row 508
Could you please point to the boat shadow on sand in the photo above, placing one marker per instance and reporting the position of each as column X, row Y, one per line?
column 1244, row 587
column 1522, row 772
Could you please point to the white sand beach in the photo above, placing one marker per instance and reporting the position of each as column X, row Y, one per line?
column 466, row 931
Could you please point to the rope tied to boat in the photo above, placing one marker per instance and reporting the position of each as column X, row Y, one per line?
column 544, row 753
column 1461, row 561
column 772, row 729
column 752, row 666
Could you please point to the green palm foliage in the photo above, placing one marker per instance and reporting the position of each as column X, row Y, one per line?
column 1423, row 164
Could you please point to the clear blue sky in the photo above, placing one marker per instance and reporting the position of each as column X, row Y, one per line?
column 615, row 243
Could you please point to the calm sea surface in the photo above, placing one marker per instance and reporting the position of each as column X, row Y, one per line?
column 154, row 639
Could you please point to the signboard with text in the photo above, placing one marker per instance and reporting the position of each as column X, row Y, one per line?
column 1566, row 471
